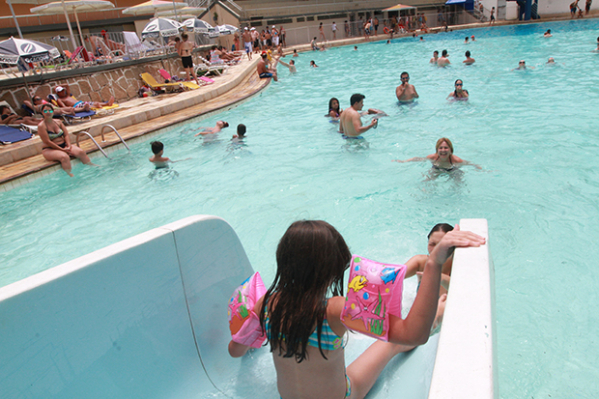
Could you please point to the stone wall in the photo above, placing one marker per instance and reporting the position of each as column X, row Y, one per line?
column 122, row 83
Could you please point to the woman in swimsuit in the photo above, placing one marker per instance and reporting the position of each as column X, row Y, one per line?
column 57, row 144
column 443, row 160
column 459, row 93
column 10, row 118
column 415, row 266
column 304, row 328
column 334, row 109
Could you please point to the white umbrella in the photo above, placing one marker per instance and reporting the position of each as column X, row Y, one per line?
column 161, row 27
column 73, row 6
column 226, row 29
column 66, row 15
column 12, row 50
column 153, row 6
column 198, row 26
column 182, row 13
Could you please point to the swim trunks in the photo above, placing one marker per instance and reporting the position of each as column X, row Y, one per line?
column 265, row 75
column 248, row 47
column 187, row 62
column 352, row 137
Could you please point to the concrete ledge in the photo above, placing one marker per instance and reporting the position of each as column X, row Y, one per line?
column 466, row 364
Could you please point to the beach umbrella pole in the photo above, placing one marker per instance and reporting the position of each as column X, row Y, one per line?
column 79, row 28
column 15, row 18
column 66, row 15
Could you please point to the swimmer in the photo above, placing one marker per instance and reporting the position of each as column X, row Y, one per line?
column 548, row 33
column 421, row 38
column 597, row 49
column 291, row 65
column 263, row 70
column 314, row 45
column 522, row 66
column 157, row 159
column 469, row 60
column 313, row 64
column 466, row 40
column 388, row 41
column 443, row 160
column 443, row 61
column 213, row 130
column 241, row 129
column 459, row 93
column 551, row 61
column 334, row 109
column 415, row 265
column 472, row 38
column 435, row 57
column 350, row 123
column 405, row 93
column 295, row 54
column 356, row 47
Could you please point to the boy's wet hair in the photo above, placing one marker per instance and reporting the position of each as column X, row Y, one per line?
column 157, row 146
column 444, row 227
column 356, row 98
column 241, row 129
column 467, row 53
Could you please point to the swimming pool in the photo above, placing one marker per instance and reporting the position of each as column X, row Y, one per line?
column 532, row 132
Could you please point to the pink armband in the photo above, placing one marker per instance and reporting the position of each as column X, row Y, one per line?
column 373, row 293
column 243, row 321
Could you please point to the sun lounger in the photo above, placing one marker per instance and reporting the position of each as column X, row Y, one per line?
column 82, row 116
column 219, row 69
column 154, row 85
column 9, row 135
column 167, row 76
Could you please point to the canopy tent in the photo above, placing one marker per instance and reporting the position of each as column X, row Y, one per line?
column 399, row 7
column 468, row 4
column 198, row 26
column 161, row 27
column 73, row 6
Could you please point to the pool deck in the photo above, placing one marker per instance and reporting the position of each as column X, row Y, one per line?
column 22, row 162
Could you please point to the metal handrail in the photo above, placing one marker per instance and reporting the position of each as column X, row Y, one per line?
column 116, row 132
column 95, row 142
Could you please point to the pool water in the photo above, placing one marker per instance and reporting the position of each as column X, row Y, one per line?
column 533, row 132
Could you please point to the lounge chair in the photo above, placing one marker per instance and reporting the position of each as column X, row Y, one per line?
column 154, row 85
column 82, row 116
column 133, row 46
column 167, row 76
column 207, row 66
column 9, row 135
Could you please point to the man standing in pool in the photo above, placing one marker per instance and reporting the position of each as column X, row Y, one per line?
column 350, row 123
column 443, row 61
column 406, row 93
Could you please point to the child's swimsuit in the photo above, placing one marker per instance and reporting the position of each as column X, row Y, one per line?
column 328, row 341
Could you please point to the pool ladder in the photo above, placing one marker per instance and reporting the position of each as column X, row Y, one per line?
column 86, row 133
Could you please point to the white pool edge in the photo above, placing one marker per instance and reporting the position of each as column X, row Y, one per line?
column 465, row 366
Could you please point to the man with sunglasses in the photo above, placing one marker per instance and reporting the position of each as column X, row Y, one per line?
column 406, row 93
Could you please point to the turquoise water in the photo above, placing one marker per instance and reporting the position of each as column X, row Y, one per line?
column 532, row 132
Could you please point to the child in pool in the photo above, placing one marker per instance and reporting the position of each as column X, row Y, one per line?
column 304, row 326
column 213, row 130
column 241, row 129
column 415, row 265
column 157, row 159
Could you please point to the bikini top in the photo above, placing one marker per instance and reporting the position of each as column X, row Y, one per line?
column 54, row 135
column 328, row 339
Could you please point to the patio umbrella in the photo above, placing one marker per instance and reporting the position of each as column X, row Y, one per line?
column 14, row 50
column 66, row 15
column 182, row 13
column 153, row 6
column 73, row 6
column 399, row 7
column 226, row 29
column 198, row 26
column 161, row 27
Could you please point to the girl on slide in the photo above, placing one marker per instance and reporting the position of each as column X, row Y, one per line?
column 304, row 327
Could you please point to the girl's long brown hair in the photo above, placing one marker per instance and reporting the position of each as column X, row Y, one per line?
column 311, row 259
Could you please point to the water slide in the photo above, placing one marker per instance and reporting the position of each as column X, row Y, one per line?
column 147, row 318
